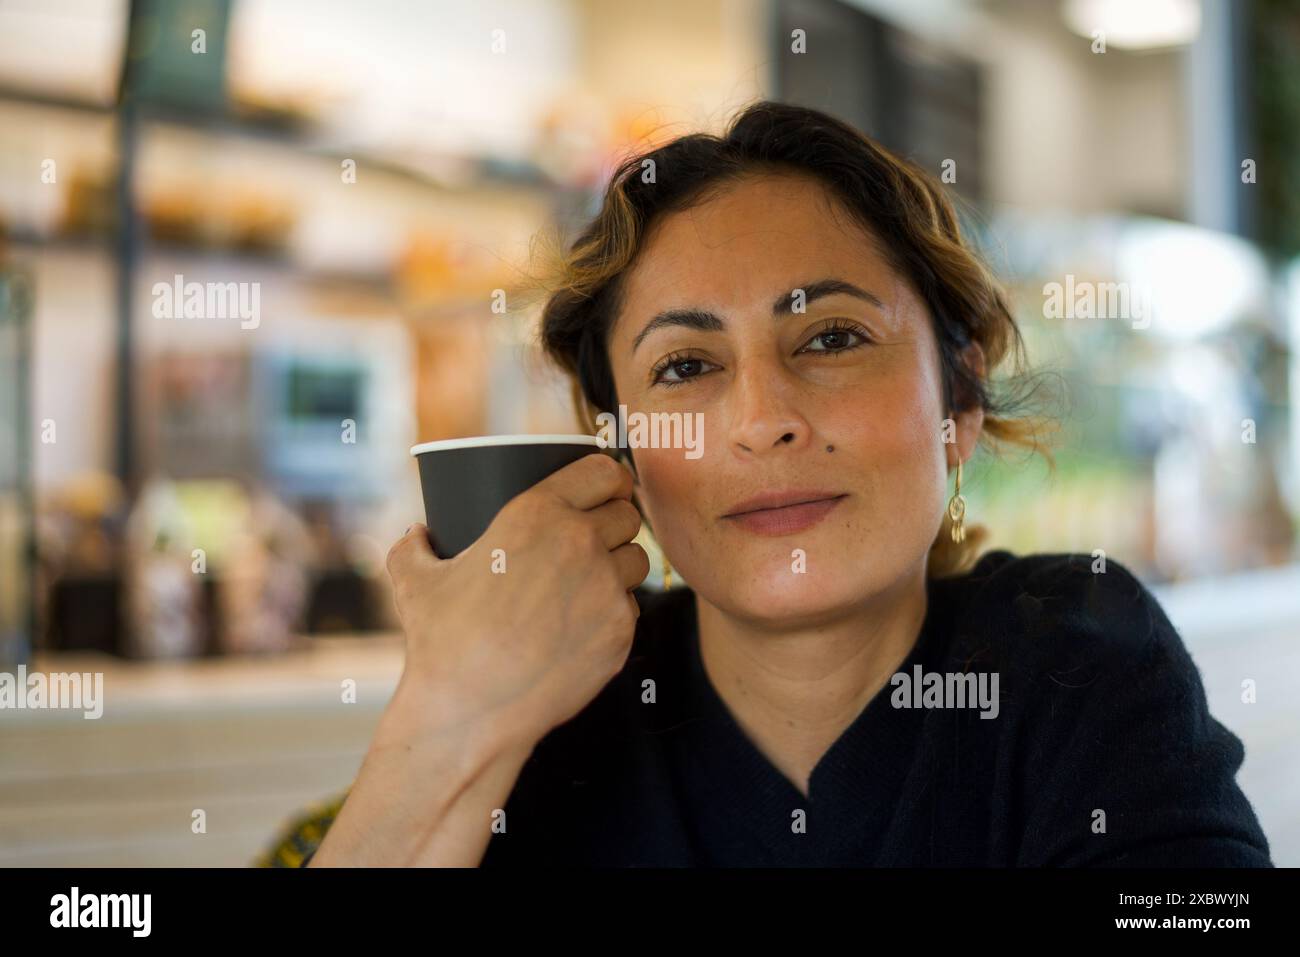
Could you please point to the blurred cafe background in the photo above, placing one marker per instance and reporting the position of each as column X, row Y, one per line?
column 200, row 509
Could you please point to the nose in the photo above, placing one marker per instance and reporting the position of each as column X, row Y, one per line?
column 764, row 417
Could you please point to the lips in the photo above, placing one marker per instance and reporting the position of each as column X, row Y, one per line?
column 783, row 513
column 794, row 496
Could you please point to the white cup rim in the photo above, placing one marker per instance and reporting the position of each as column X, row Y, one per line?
column 477, row 441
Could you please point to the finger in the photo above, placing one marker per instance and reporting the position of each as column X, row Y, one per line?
column 618, row 522
column 411, row 552
column 592, row 480
column 633, row 564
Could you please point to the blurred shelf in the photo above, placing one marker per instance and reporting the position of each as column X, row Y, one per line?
column 299, row 134
column 280, row 262
column 14, row 94
column 23, row 237
column 453, row 304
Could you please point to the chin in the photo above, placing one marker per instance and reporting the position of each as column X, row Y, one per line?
column 777, row 596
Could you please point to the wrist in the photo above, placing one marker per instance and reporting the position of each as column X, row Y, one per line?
column 453, row 732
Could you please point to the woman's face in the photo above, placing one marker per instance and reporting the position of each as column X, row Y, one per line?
column 832, row 395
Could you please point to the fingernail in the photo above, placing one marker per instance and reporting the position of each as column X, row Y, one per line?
column 408, row 530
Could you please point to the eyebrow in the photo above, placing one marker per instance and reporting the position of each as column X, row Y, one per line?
column 704, row 321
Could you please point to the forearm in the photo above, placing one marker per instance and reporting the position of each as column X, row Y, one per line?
column 426, row 791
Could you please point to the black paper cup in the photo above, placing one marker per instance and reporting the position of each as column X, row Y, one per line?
column 465, row 482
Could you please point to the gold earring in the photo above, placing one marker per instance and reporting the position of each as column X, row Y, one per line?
column 668, row 571
column 957, row 510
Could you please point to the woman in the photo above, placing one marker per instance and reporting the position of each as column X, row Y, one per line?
column 844, row 682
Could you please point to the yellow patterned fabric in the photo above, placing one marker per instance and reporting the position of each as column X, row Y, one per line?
column 302, row 835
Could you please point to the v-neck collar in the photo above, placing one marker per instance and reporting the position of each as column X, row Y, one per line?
column 745, row 810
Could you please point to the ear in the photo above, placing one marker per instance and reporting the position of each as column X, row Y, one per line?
column 970, row 422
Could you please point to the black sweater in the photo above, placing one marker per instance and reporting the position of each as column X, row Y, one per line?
column 1101, row 750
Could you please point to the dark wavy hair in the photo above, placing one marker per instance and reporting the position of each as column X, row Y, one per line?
column 898, row 203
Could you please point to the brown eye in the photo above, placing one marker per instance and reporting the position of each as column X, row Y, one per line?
column 835, row 339
column 678, row 371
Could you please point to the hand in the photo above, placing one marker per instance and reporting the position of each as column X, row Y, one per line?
column 527, row 646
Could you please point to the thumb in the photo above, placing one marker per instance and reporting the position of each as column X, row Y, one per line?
column 411, row 552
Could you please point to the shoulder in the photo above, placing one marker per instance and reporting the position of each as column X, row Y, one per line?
column 1119, row 758
column 1046, row 586
column 1061, row 610
column 1081, row 647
